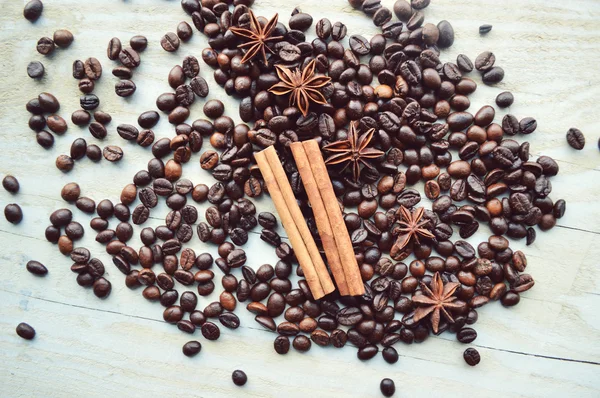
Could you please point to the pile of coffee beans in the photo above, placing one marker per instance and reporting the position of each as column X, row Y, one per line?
column 474, row 170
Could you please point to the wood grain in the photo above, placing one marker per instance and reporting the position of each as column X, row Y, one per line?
column 549, row 345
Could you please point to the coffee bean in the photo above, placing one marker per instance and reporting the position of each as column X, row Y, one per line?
column 80, row 117
column 387, row 387
column 25, row 331
column 48, row 103
column 446, row 38
column 390, row 355
column 33, row 10
column 64, row 163
column 125, row 88
column 102, row 287
column 483, row 29
column 493, row 75
column 63, row 38
column 575, row 138
column 94, row 153
column 170, row 42
column 45, row 46
column 112, row 153
column 36, row 268
column 113, row 49
column 11, row 184
column 56, row 124
column 184, row 31
column 191, row 348
column 210, row 331
column 138, row 43
column 301, row 343
column 89, row 102
column 92, row 68
column 35, row 70
column 471, row 356
column 504, row 99
column 129, row 58
column 13, row 213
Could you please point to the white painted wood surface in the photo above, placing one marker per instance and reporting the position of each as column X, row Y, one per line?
column 549, row 345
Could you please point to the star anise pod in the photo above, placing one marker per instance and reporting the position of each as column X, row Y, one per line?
column 438, row 299
column 302, row 86
column 353, row 151
column 411, row 228
column 258, row 37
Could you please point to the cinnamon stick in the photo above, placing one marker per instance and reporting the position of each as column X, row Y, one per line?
column 298, row 217
column 342, row 238
column 290, row 227
column 322, row 220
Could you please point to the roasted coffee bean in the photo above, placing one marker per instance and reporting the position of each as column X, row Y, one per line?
column 485, row 61
column 184, row 31
column 127, row 132
column 36, row 268
column 25, row 331
column 102, row 287
column 129, row 58
column 48, row 103
column 504, row 99
column 45, row 46
column 89, row 102
column 210, row 331
column 464, row 63
column 301, row 343
column 35, row 70
column 125, row 88
column 575, row 138
column 138, row 43
column 92, row 68
column 471, row 356
column 493, row 75
column 191, row 348
column 112, row 153
column 239, row 377
column 387, row 387
column 33, row 10
column 170, row 42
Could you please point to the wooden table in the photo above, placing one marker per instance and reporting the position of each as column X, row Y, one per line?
column 549, row 345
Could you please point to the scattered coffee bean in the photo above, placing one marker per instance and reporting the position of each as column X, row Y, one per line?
column 25, row 331
column 191, row 348
column 33, row 10
column 471, row 356
column 11, row 184
column 387, row 387
column 112, row 153
column 239, row 377
column 35, row 70
column 483, row 29
column 575, row 138
column 63, row 38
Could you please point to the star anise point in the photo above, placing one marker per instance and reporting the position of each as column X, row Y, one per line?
column 301, row 85
column 353, row 151
column 436, row 301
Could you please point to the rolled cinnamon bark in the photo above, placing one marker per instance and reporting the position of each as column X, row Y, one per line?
column 290, row 227
column 342, row 238
column 298, row 217
column 321, row 217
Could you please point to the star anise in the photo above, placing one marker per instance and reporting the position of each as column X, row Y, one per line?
column 353, row 151
column 438, row 299
column 411, row 228
column 302, row 86
column 258, row 37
